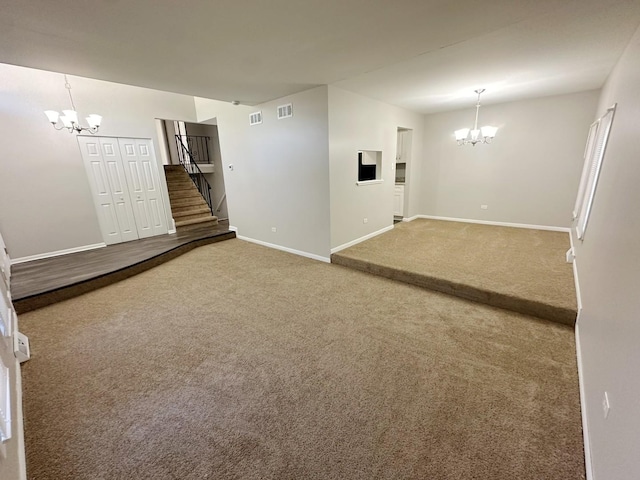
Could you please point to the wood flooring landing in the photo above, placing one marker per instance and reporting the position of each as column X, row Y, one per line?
column 39, row 283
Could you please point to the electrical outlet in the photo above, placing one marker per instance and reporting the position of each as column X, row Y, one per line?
column 274, row 229
column 605, row 404
column 484, row 207
column 365, row 220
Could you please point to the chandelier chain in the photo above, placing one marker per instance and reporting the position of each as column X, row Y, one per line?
column 67, row 85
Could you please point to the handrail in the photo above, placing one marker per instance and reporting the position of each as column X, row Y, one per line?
column 195, row 174
column 198, row 146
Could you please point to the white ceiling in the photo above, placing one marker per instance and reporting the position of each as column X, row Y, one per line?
column 424, row 55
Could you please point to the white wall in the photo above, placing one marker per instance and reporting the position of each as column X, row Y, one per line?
column 361, row 123
column 530, row 172
column 170, row 134
column 608, row 265
column 45, row 201
column 280, row 176
column 215, row 179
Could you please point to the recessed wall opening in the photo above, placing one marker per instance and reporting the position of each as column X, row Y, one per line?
column 369, row 165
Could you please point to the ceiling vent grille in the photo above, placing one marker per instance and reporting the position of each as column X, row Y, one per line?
column 255, row 118
column 285, row 111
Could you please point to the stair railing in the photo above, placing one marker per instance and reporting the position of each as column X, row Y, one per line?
column 190, row 165
column 198, row 147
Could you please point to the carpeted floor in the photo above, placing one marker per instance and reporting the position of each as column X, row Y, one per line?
column 519, row 269
column 236, row 361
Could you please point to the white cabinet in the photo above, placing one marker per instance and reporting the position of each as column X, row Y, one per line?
column 398, row 200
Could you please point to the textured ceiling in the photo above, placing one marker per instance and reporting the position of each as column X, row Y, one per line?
column 424, row 55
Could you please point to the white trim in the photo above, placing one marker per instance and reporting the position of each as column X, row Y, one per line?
column 172, row 231
column 583, row 406
column 576, row 280
column 369, row 182
column 172, row 228
column 285, row 249
column 361, row 239
column 232, row 228
column 487, row 222
column 57, row 253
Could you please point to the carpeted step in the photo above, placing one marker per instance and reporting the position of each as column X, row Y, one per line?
column 177, row 178
column 194, row 216
column 187, row 205
column 186, row 193
column 469, row 292
column 180, row 213
column 181, row 185
column 521, row 270
column 202, row 219
column 190, row 201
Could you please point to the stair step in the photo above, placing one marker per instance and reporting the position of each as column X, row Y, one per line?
column 190, row 201
column 182, row 212
column 180, row 183
column 177, row 177
column 209, row 219
column 187, row 193
column 180, row 171
column 192, row 216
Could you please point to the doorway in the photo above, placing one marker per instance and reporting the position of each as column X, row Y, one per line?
column 203, row 146
column 401, row 168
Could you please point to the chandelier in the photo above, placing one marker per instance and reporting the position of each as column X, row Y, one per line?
column 466, row 136
column 69, row 118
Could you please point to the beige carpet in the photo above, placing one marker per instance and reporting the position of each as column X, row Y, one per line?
column 236, row 361
column 518, row 269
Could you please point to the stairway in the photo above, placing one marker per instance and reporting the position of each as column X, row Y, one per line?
column 187, row 205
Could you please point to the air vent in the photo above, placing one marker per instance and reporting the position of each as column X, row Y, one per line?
column 285, row 111
column 255, row 118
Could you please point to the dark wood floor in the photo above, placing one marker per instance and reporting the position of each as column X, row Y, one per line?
column 42, row 282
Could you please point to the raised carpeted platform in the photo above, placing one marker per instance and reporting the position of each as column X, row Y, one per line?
column 518, row 269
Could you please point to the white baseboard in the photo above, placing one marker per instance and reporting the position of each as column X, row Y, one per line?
column 583, row 407
column 284, row 249
column 57, row 253
column 361, row 239
column 487, row 222
column 233, row 229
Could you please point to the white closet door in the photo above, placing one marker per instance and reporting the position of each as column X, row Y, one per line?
column 114, row 211
column 142, row 176
column 119, row 189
